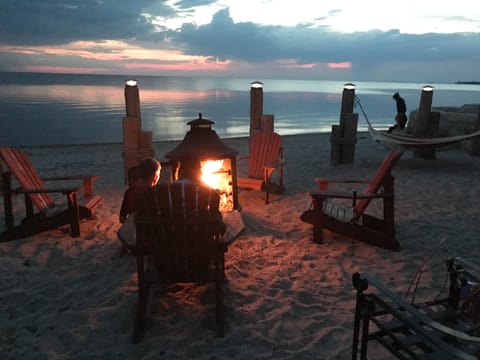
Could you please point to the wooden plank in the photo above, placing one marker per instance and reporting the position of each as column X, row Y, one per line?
column 335, row 150
column 145, row 139
column 349, row 137
column 268, row 122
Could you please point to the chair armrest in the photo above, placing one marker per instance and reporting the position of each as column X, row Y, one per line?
column 73, row 177
column 87, row 181
column 346, row 195
column 324, row 182
column 61, row 190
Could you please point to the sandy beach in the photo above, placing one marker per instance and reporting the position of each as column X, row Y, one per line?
column 285, row 296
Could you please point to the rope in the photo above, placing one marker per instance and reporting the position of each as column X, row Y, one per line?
column 371, row 130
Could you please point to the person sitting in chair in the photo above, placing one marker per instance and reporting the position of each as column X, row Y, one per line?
column 149, row 174
column 401, row 117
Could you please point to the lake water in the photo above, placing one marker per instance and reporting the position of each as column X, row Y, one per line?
column 59, row 109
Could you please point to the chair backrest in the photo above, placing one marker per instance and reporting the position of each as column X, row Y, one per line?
column 22, row 168
column 375, row 184
column 265, row 148
column 180, row 226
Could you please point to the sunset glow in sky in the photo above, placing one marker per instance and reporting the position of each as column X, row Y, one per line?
column 425, row 41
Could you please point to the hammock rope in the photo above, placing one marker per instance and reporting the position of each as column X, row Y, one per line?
column 410, row 140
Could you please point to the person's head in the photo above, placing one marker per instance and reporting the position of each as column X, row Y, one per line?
column 396, row 96
column 149, row 170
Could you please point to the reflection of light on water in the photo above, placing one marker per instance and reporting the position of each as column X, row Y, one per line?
column 80, row 109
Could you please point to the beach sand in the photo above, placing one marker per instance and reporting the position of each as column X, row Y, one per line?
column 285, row 296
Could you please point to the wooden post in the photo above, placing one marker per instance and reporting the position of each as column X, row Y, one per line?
column 137, row 144
column 475, row 147
column 335, row 140
column 131, row 127
column 348, row 99
column 132, row 98
column 256, row 106
column 431, row 130
column 349, row 137
column 421, row 121
column 344, row 135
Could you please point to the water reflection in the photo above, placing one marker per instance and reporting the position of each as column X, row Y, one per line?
column 46, row 110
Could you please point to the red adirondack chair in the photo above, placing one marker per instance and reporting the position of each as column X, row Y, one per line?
column 49, row 215
column 353, row 221
column 265, row 158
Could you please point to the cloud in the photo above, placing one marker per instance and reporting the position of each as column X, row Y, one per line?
column 26, row 22
column 132, row 34
column 257, row 43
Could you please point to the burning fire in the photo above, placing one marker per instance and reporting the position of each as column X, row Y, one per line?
column 216, row 174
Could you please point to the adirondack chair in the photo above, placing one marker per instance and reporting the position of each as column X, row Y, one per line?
column 443, row 328
column 353, row 221
column 265, row 158
column 49, row 215
column 179, row 233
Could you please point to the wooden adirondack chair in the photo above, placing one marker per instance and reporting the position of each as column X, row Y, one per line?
column 352, row 220
column 179, row 230
column 265, row 158
column 50, row 215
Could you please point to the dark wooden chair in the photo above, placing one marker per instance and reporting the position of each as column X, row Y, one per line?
column 265, row 158
column 49, row 214
column 179, row 233
column 353, row 221
column 437, row 329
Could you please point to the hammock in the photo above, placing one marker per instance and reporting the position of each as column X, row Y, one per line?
column 407, row 140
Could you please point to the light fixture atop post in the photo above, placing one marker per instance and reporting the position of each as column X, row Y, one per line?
column 256, row 84
column 427, row 88
column 348, row 86
column 131, row 82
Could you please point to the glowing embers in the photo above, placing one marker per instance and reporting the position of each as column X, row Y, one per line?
column 218, row 175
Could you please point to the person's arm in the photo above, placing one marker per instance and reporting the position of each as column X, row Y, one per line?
column 123, row 209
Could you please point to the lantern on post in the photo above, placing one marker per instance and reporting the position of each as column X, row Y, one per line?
column 256, row 106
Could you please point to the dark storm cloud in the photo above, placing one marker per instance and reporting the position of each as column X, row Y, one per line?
column 49, row 22
column 224, row 39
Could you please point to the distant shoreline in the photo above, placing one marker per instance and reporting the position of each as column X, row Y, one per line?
column 467, row 82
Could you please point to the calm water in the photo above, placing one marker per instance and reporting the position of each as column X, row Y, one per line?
column 55, row 109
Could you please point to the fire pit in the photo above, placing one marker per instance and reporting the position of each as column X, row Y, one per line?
column 216, row 161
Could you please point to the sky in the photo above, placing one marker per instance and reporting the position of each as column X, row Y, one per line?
column 372, row 40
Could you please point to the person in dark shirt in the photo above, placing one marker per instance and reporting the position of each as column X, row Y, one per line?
column 401, row 117
column 149, row 174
